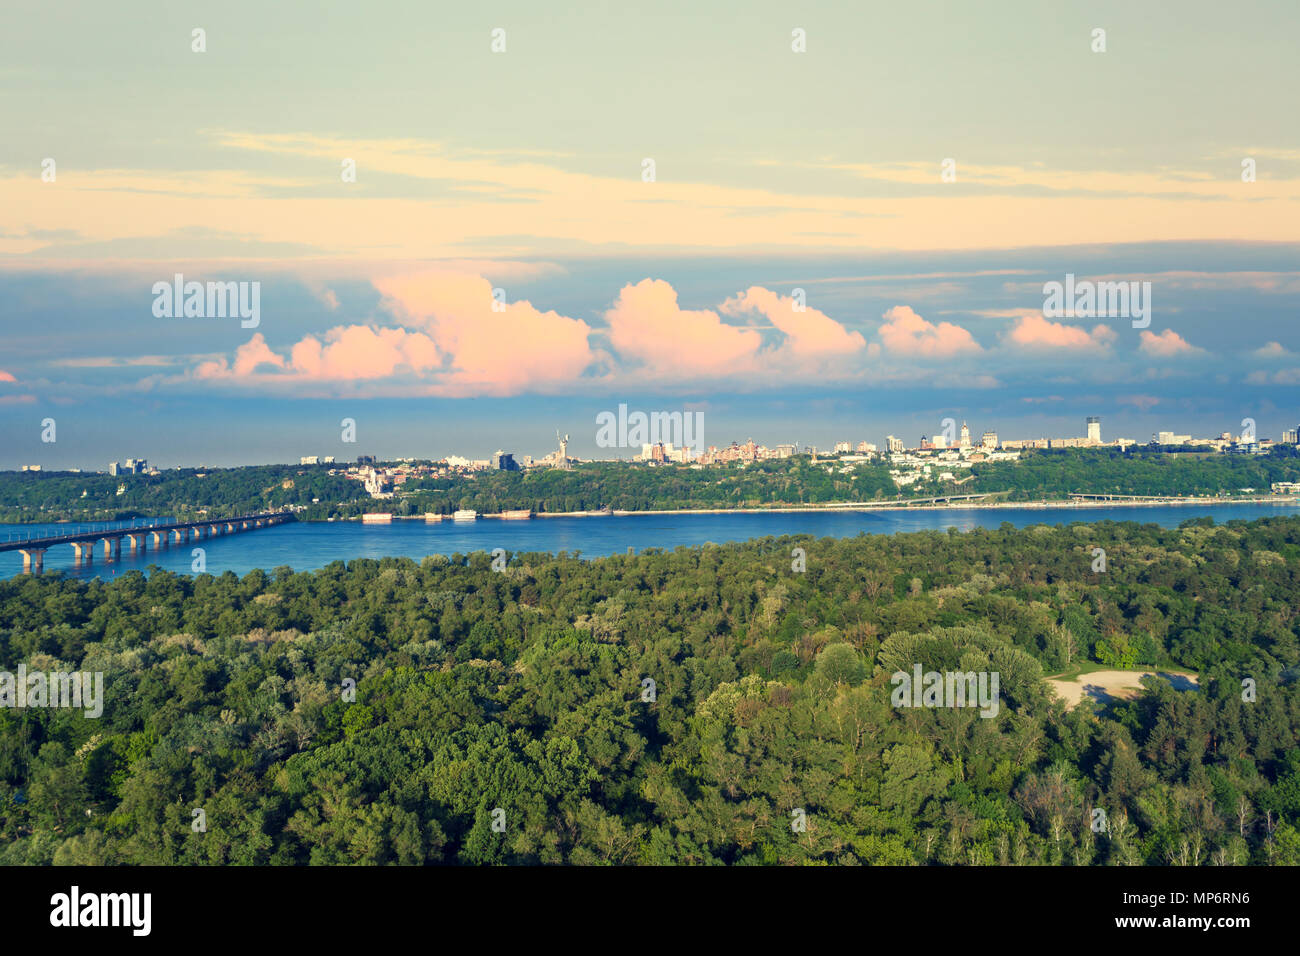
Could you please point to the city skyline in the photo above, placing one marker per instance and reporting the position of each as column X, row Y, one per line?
column 969, row 439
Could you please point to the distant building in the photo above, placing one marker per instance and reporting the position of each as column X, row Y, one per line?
column 989, row 441
column 31, row 467
column 504, row 461
column 842, row 447
column 1289, row 435
column 365, row 459
column 1094, row 430
column 114, row 468
column 964, row 440
column 309, row 460
column 894, row 444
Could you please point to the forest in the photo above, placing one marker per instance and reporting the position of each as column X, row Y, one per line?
column 443, row 712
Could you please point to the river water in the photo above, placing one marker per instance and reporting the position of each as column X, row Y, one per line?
column 308, row 545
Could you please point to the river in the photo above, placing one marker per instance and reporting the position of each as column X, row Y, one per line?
column 308, row 545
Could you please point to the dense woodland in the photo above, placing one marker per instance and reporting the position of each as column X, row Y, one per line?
column 1055, row 473
column 522, row 690
column 625, row 486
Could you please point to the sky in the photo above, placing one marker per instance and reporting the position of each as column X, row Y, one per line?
column 471, row 226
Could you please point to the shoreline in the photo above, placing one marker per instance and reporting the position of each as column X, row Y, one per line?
column 1041, row 505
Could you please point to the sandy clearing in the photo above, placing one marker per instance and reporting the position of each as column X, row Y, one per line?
column 1111, row 685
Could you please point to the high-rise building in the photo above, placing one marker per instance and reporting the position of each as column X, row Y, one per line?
column 989, row 441
column 114, row 468
column 1094, row 429
column 1290, row 435
column 894, row 444
column 504, row 461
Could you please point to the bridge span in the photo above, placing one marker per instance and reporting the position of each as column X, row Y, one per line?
column 163, row 535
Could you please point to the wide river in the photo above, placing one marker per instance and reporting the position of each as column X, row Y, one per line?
column 307, row 545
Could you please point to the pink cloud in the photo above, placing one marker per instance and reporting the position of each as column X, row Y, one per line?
column 1143, row 402
column 248, row 357
column 360, row 352
column 495, row 351
column 809, row 332
column 459, row 344
column 6, row 377
column 907, row 333
column 1166, row 344
column 348, row 353
column 647, row 325
column 1034, row 331
column 17, row 399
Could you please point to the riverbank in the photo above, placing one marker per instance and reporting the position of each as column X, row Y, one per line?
column 836, row 507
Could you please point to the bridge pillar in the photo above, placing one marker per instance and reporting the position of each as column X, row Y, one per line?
column 112, row 548
column 84, row 552
column 182, row 535
column 136, row 542
column 161, row 540
column 33, row 559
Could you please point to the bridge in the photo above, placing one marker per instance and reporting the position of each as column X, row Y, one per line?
column 936, row 500
column 164, row 534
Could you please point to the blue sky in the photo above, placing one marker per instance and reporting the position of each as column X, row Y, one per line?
column 130, row 156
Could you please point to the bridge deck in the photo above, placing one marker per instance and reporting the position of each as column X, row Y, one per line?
column 79, row 537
